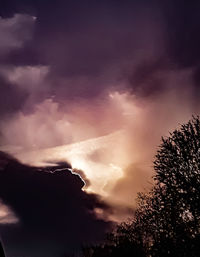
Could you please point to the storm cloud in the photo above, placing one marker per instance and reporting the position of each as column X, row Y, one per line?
column 95, row 83
column 53, row 214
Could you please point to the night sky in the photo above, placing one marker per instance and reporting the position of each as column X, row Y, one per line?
column 92, row 86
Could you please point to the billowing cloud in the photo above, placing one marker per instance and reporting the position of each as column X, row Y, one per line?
column 15, row 31
column 115, row 148
column 28, row 78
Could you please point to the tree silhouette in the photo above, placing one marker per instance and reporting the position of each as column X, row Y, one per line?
column 167, row 219
column 120, row 242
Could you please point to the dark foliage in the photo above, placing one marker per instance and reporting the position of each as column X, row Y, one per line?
column 121, row 242
column 167, row 220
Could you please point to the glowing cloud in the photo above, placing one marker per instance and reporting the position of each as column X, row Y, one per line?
column 111, row 140
column 6, row 215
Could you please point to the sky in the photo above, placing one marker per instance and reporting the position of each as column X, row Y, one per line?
column 88, row 88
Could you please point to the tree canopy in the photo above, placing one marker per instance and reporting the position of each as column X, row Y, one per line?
column 170, row 214
column 167, row 219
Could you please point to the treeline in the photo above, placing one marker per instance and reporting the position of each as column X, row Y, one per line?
column 167, row 219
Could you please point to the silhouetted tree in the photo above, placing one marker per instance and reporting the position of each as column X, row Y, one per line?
column 120, row 242
column 168, row 218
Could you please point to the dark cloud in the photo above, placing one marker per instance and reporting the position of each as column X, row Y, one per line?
column 148, row 77
column 90, row 46
column 55, row 215
column 182, row 26
column 14, row 32
column 11, row 98
column 86, row 44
